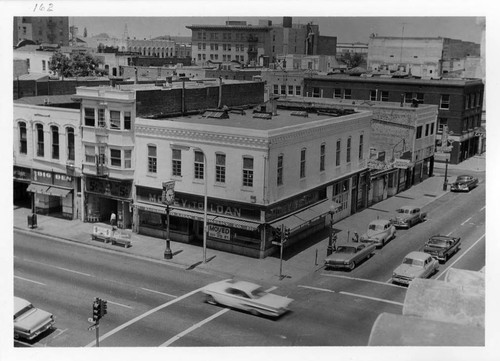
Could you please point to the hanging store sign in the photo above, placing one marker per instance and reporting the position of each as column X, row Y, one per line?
column 219, row 232
column 402, row 163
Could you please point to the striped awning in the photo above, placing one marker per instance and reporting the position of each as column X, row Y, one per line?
column 306, row 215
column 38, row 188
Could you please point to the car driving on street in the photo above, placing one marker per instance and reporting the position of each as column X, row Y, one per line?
column 350, row 254
column 408, row 216
column 464, row 183
column 415, row 265
column 29, row 321
column 442, row 247
column 379, row 231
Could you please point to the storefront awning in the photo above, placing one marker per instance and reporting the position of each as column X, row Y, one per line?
column 236, row 223
column 151, row 208
column 37, row 188
column 190, row 215
column 58, row 192
column 306, row 215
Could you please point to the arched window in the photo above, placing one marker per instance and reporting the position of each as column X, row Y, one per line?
column 39, row 140
column 70, row 141
column 23, row 138
column 54, row 131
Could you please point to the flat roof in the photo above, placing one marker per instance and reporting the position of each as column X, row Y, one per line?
column 230, row 27
column 348, row 103
column 283, row 119
column 47, row 100
column 380, row 79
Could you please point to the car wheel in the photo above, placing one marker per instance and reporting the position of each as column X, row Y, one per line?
column 211, row 300
column 352, row 265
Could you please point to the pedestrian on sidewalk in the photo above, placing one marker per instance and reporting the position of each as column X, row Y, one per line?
column 112, row 220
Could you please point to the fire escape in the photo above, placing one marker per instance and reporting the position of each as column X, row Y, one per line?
column 252, row 48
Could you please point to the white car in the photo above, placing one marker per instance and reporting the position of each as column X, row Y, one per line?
column 29, row 321
column 415, row 265
column 246, row 296
column 380, row 231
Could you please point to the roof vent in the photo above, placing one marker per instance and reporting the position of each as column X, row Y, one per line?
column 262, row 115
column 216, row 114
column 300, row 114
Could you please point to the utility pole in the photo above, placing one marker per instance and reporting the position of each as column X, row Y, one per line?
column 282, row 234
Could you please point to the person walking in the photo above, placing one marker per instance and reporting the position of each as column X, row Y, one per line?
column 112, row 220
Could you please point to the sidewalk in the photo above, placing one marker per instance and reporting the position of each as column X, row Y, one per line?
column 231, row 265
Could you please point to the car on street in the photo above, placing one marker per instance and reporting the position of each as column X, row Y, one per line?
column 442, row 247
column 246, row 296
column 379, row 231
column 350, row 254
column 408, row 216
column 29, row 321
column 415, row 265
column 464, row 183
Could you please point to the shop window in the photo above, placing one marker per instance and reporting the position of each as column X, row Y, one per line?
column 322, row 149
column 176, row 162
column 39, row 141
column 70, row 142
column 408, row 97
column 373, row 95
column 116, row 157
column 276, row 89
column 55, row 141
column 127, row 120
column 337, row 93
column 445, row 101
column 90, row 154
column 152, row 160
column 127, row 158
column 347, row 93
column 361, row 146
column 247, row 171
column 348, row 150
column 199, row 165
column 114, row 119
column 279, row 173
column 23, row 140
column 220, row 168
column 337, row 153
column 419, row 132
column 384, row 96
column 297, row 90
column 316, row 92
column 90, row 117
column 303, row 163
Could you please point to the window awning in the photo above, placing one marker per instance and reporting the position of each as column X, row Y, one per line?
column 236, row 223
column 151, row 208
column 37, row 188
column 58, row 192
column 306, row 215
column 190, row 215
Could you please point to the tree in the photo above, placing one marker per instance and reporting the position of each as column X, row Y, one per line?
column 352, row 60
column 75, row 65
column 60, row 64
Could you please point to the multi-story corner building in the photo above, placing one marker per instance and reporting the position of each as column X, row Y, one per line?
column 402, row 141
column 284, row 83
column 40, row 29
column 422, row 57
column 257, row 44
column 459, row 102
column 47, row 158
column 258, row 170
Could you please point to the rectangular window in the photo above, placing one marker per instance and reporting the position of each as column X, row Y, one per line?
column 316, row 93
column 127, row 120
column 116, row 157
column 322, row 157
column 23, row 140
column 70, row 143
column 473, row 100
column 40, row 142
column 337, row 153
column 89, row 154
column 247, row 172
column 337, row 93
column 127, row 158
column 152, row 160
column 347, row 93
column 228, row 47
column 373, row 95
column 114, row 119
column 176, row 162
column 279, row 175
column 220, row 168
column 276, row 89
column 90, row 117
column 43, row 65
column 302, row 162
column 361, row 146
column 348, row 150
column 55, row 142
column 427, row 128
column 478, row 97
column 445, row 101
column 408, row 97
column 101, row 120
column 384, row 96
column 443, row 122
column 199, row 165
column 283, row 90
column 420, row 98
column 432, row 128
column 297, row 90
column 419, row 132
column 290, row 90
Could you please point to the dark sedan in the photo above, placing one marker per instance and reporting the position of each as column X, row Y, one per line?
column 464, row 183
column 350, row 254
column 442, row 247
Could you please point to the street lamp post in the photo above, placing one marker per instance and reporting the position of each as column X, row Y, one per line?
column 168, row 251
column 445, row 183
column 205, row 166
column 330, row 247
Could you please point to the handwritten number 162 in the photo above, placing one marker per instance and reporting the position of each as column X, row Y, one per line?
column 42, row 7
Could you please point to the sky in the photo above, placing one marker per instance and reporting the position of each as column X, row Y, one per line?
column 346, row 29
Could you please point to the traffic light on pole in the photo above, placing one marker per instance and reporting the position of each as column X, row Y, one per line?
column 96, row 310
column 277, row 232
column 287, row 233
column 104, row 307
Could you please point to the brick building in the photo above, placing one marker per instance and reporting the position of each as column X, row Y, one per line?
column 40, row 29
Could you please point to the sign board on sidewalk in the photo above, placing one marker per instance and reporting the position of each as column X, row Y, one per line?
column 219, row 232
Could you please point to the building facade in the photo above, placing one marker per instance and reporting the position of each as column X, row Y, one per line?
column 40, row 29
column 257, row 170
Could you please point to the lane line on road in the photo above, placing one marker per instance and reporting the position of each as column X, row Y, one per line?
column 158, row 292
column 73, row 271
column 459, row 258
column 140, row 317
column 363, row 279
column 194, row 327
column 372, row 298
column 28, row 280
column 482, row 209
column 271, row 289
column 467, row 220
column 316, row 288
column 119, row 304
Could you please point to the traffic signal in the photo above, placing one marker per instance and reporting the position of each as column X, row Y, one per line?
column 96, row 310
column 104, row 307
column 287, row 233
column 277, row 232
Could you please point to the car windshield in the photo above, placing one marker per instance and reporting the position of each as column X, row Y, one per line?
column 375, row 227
column 463, row 178
column 402, row 210
column 436, row 242
column 345, row 249
column 258, row 293
column 23, row 311
column 413, row 262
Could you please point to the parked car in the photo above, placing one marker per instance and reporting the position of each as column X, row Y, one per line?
column 379, row 231
column 350, row 254
column 464, row 183
column 246, row 296
column 442, row 247
column 408, row 216
column 29, row 321
column 415, row 265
